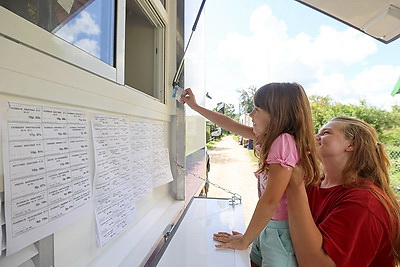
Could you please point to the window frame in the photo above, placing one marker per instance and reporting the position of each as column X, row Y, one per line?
column 157, row 16
column 24, row 32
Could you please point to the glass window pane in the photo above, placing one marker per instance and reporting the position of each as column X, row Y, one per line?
column 144, row 50
column 87, row 24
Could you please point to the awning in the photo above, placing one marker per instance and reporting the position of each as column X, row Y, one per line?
column 377, row 18
column 396, row 89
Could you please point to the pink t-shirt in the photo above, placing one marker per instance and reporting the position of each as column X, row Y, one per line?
column 284, row 152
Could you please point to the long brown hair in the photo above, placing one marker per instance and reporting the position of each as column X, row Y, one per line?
column 369, row 162
column 290, row 112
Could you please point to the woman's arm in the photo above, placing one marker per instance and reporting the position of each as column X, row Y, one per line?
column 216, row 117
column 278, row 178
column 302, row 227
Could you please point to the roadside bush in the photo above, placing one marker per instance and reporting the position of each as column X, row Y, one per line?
column 394, row 156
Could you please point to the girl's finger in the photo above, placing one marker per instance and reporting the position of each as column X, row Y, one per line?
column 222, row 235
column 225, row 233
column 222, row 245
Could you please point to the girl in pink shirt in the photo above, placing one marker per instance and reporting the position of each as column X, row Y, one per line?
column 282, row 128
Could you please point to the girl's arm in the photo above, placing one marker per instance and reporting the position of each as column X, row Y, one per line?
column 278, row 179
column 302, row 227
column 216, row 117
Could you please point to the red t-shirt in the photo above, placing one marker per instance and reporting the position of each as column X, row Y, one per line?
column 354, row 225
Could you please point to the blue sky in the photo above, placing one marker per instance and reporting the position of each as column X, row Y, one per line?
column 92, row 30
column 251, row 43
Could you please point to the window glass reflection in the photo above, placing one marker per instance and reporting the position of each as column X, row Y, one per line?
column 87, row 24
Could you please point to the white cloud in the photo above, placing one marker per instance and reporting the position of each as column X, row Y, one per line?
column 90, row 46
column 333, row 85
column 372, row 80
column 373, row 85
column 268, row 54
column 83, row 24
column 330, row 45
column 264, row 23
column 376, row 84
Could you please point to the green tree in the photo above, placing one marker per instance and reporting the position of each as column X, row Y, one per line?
column 392, row 136
column 321, row 114
column 246, row 104
column 386, row 123
column 227, row 109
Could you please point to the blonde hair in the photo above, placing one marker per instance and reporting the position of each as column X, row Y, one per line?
column 369, row 162
column 290, row 112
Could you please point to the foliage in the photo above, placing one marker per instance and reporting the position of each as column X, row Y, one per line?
column 321, row 114
column 210, row 145
column 391, row 137
column 227, row 109
column 246, row 104
column 394, row 156
column 210, row 127
column 386, row 123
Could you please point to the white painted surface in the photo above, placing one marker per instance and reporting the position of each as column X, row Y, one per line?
column 192, row 244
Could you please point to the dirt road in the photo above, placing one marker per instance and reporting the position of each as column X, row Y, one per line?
column 233, row 169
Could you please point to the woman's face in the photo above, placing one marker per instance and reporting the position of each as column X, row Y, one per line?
column 331, row 142
column 261, row 120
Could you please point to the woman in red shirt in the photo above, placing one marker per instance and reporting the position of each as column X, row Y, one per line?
column 352, row 217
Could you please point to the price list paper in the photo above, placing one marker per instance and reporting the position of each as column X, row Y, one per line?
column 151, row 165
column 46, row 170
column 141, row 153
column 161, row 169
column 114, row 197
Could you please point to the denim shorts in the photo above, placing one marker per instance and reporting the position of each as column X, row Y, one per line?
column 273, row 246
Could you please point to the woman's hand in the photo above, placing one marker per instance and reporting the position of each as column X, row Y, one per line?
column 234, row 240
column 189, row 98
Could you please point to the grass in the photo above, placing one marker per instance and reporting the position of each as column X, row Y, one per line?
column 210, row 145
column 235, row 137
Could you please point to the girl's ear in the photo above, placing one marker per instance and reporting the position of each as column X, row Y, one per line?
column 350, row 146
